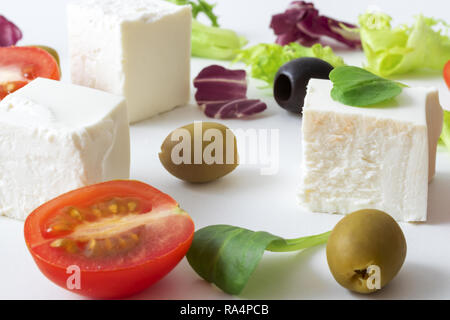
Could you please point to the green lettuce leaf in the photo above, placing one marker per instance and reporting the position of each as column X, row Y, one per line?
column 265, row 59
column 211, row 42
column 215, row 43
column 391, row 51
column 445, row 135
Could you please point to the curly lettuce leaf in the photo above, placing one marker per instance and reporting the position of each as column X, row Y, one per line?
column 265, row 59
column 390, row 51
column 302, row 23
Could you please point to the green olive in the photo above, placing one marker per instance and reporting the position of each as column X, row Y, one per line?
column 200, row 152
column 361, row 242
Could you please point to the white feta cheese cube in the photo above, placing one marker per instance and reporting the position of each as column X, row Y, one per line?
column 139, row 49
column 56, row 137
column 379, row 157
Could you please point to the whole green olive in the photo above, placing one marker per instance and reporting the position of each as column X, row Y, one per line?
column 365, row 251
column 200, row 152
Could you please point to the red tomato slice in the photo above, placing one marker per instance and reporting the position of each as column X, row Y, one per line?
column 20, row 65
column 447, row 73
column 122, row 235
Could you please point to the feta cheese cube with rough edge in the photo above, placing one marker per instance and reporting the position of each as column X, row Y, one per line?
column 380, row 157
column 56, row 137
column 139, row 49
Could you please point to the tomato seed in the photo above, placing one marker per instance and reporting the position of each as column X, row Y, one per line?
column 91, row 244
column 97, row 213
column 71, row 246
column 108, row 244
column 10, row 87
column 122, row 243
column 135, row 237
column 74, row 213
column 57, row 243
column 132, row 206
column 60, row 227
column 113, row 208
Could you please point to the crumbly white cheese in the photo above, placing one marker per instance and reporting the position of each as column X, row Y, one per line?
column 55, row 137
column 380, row 157
column 139, row 49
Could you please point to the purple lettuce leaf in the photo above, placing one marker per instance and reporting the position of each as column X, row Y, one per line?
column 222, row 94
column 10, row 34
column 237, row 108
column 215, row 83
column 302, row 23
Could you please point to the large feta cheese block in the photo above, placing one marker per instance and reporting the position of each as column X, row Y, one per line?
column 380, row 157
column 139, row 49
column 56, row 137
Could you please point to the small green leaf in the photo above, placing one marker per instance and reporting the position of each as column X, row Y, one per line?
column 357, row 87
column 227, row 256
column 199, row 6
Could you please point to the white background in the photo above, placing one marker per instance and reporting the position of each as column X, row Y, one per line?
column 245, row 198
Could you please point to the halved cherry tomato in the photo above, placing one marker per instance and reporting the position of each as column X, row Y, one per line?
column 20, row 65
column 447, row 73
column 122, row 236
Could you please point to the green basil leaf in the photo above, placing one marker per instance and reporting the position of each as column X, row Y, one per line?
column 227, row 255
column 357, row 87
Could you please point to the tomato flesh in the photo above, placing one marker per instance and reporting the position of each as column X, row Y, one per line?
column 122, row 235
column 447, row 73
column 10, row 87
column 20, row 65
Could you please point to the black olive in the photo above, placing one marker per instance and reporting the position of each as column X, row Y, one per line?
column 290, row 83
